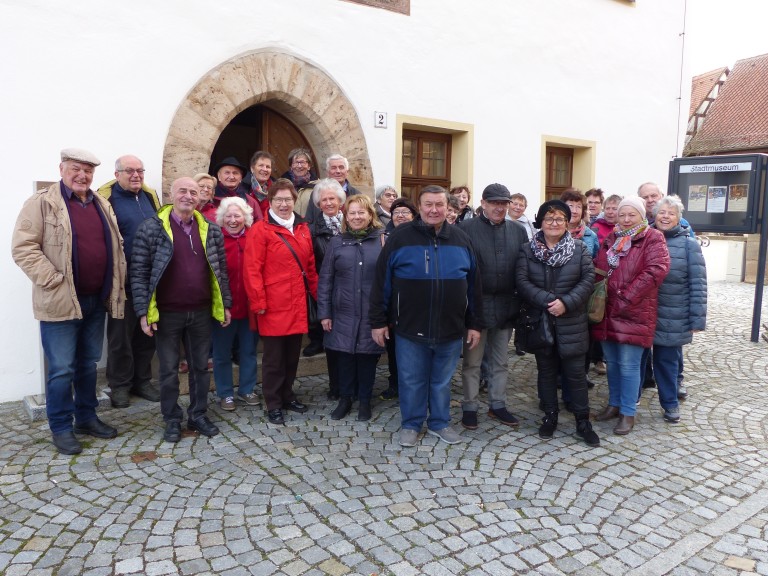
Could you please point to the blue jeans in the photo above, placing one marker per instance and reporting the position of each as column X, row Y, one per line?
column 624, row 375
column 223, row 340
column 424, row 377
column 72, row 348
column 666, row 366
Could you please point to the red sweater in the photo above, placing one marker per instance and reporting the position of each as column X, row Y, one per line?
column 234, row 246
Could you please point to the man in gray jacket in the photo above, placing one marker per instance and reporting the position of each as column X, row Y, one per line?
column 496, row 242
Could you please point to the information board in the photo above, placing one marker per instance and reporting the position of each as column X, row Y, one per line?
column 720, row 193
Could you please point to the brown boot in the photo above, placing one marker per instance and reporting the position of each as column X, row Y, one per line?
column 609, row 413
column 625, row 425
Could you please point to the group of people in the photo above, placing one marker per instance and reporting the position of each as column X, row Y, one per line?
column 237, row 257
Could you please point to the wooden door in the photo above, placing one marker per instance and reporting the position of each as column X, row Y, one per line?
column 260, row 128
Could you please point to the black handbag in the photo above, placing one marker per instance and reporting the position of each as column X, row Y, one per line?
column 536, row 332
column 311, row 302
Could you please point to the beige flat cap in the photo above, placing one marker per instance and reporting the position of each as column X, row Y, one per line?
column 79, row 155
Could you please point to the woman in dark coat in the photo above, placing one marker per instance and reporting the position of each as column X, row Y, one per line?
column 329, row 197
column 682, row 306
column 346, row 278
column 637, row 260
column 555, row 277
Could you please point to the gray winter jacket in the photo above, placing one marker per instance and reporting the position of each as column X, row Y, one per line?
column 344, row 292
column 683, row 294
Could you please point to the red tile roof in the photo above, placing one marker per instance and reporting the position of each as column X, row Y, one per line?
column 738, row 118
column 702, row 85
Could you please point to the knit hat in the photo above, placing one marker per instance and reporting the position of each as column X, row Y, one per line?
column 403, row 203
column 552, row 205
column 635, row 202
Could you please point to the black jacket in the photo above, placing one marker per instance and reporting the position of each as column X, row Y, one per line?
column 539, row 284
column 497, row 247
column 321, row 237
column 427, row 284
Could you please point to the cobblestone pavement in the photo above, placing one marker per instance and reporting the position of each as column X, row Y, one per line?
column 323, row 497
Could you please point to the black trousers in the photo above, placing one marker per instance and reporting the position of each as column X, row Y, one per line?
column 194, row 329
column 332, row 361
column 550, row 367
column 280, row 360
column 356, row 374
column 392, row 360
column 129, row 351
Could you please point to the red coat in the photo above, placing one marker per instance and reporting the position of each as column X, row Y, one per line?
column 633, row 288
column 235, row 250
column 273, row 279
column 602, row 228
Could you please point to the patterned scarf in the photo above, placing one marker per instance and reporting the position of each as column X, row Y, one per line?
column 333, row 223
column 257, row 190
column 578, row 232
column 623, row 242
column 557, row 256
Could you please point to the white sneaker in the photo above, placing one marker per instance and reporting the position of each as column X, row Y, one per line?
column 447, row 435
column 408, row 437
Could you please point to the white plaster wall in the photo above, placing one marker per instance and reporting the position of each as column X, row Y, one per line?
column 108, row 77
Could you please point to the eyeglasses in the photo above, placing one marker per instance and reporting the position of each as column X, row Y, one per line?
column 282, row 200
column 390, row 194
column 401, row 213
column 300, row 162
column 132, row 171
column 557, row 221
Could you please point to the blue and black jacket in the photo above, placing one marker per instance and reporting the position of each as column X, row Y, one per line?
column 427, row 284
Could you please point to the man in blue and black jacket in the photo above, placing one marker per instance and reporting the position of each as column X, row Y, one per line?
column 428, row 287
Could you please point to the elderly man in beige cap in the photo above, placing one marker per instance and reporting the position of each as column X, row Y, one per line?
column 66, row 239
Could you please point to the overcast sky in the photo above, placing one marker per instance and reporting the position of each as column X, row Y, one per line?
column 719, row 32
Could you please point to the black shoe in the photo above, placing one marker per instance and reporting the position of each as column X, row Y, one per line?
column 519, row 351
column 584, row 429
column 342, row 409
column 275, row 416
column 313, row 348
column 119, row 397
column 295, row 406
column 504, row 416
column 389, row 394
column 333, row 395
column 548, row 425
column 364, row 412
column 66, row 443
column 95, row 428
column 204, row 426
column 148, row 391
column 172, row 432
column 469, row 419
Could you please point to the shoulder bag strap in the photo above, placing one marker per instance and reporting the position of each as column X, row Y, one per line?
column 303, row 274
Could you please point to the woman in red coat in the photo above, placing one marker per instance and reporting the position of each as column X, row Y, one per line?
column 637, row 259
column 277, row 295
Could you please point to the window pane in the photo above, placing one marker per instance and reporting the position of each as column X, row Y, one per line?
column 409, row 157
column 433, row 158
column 561, row 170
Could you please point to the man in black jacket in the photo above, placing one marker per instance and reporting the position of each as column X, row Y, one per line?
column 428, row 287
column 496, row 242
column 179, row 282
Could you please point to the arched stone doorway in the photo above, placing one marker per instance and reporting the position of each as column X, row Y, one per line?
column 298, row 90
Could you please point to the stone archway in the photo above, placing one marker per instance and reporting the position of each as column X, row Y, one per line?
column 300, row 91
